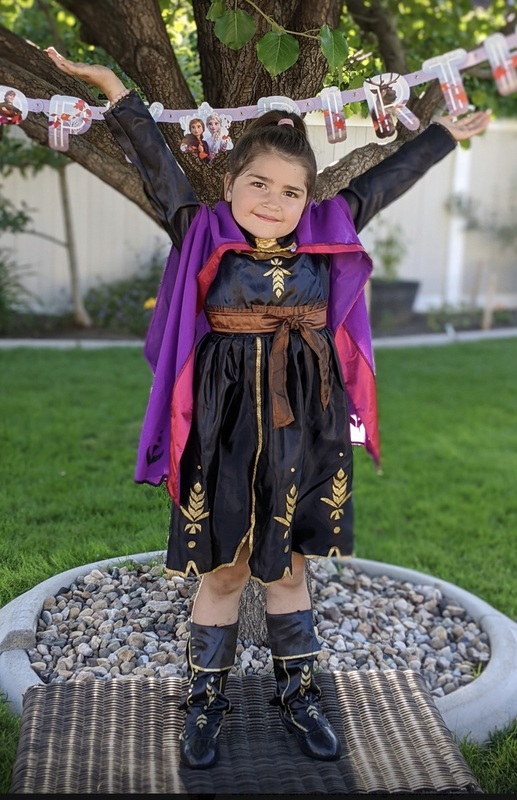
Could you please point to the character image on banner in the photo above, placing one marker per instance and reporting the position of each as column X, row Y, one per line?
column 193, row 141
column 216, row 135
column 10, row 111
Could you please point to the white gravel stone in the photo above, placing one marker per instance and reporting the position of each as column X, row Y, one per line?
column 132, row 621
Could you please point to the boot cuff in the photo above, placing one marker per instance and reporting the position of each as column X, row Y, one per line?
column 292, row 635
column 212, row 647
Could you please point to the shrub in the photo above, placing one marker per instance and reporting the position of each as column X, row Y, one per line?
column 124, row 305
column 14, row 297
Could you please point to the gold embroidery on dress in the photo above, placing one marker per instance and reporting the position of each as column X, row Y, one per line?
column 195, row 512
column 266, row 248
column 291, row 499
column 340, row 495
column 272, row 247
column 260, row 441
column 279, row 273
column 267, row 245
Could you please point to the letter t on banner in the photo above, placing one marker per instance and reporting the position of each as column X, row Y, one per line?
column 67, row 115
column 446, row 69
column 332, row 106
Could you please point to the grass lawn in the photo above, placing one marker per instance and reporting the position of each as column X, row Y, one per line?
column 445, row 502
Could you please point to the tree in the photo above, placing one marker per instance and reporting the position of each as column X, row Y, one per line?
column 148, row 43
column 134, row 36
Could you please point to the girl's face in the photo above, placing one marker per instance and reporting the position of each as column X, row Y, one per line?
column 196, row 128
column 268, row 198
column 213, row 125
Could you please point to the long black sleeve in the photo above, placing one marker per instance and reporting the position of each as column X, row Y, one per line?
column 175, row 202
column 165, row 184
column 375, row 189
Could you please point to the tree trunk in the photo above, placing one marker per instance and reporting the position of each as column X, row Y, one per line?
column 252, row 614
column 252, row 610
column 81, row 315
column 488, row 311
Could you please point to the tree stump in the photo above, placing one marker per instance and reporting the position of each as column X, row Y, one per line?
column 252, row 610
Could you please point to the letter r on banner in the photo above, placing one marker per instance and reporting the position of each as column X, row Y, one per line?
column 67, row 115
column 387, row 95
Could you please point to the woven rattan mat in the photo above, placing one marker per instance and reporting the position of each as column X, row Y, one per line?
column 121, row 737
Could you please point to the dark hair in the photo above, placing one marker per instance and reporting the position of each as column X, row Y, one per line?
column 265, row 135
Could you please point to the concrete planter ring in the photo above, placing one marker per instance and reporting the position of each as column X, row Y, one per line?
column 474, row 711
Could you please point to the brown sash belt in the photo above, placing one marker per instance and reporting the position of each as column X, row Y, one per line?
column 282, row 320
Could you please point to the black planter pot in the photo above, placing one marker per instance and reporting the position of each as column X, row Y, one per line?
column 391, row 302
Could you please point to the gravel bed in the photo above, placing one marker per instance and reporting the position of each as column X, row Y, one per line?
column 132, row 621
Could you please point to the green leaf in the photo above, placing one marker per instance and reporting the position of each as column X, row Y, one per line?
column 216, row 10
column 235, row 29
column 334, row 47
column 277, row 52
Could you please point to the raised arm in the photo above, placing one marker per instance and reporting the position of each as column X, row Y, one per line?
column 375, row 189
column 164, row 182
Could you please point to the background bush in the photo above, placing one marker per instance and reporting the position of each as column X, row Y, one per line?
column 121, row 305
column 13, row 295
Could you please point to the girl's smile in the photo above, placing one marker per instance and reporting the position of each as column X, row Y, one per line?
column 268, row 198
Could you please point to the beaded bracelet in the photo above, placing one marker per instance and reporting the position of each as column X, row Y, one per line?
column 116, row 100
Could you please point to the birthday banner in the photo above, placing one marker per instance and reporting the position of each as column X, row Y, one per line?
column 206, row 130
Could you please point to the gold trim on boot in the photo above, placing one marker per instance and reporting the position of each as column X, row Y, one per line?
column 297, row 694
column 210, row 654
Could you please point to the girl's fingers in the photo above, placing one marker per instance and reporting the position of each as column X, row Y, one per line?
column 58, row 59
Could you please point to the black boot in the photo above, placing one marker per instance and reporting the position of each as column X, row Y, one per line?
column 210, row 654
column 293, row 645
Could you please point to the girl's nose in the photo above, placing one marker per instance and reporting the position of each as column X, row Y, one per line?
column 272, row 201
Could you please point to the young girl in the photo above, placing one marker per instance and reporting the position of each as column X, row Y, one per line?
column 261, row 353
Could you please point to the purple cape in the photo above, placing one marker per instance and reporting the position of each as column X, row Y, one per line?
column 179, row 322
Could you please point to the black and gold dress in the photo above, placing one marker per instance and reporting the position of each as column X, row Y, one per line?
column 280, row 484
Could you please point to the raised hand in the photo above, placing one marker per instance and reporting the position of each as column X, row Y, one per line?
column 96, row 75
column 467, row 126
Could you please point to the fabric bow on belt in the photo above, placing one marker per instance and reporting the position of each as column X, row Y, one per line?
column 282, row 320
